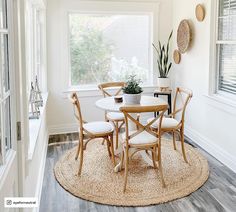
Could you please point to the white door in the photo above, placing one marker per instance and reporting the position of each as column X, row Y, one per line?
column 8, row 139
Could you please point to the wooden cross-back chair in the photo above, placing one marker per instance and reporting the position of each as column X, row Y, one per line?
column 90, row 131
column 170, row 123
column 142, row 139
column 115, row 117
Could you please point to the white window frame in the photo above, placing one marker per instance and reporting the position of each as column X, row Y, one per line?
column 34, row 41
column 214, row 92
column 6, row 155
column 112, row 7
column 36, row 65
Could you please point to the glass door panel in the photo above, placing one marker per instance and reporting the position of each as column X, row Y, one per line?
column 4, row 62
column 5, row 93
column 3, row 14
column 7, row 124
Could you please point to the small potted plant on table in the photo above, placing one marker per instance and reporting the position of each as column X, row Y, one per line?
column 132, row 91
column 163, row 64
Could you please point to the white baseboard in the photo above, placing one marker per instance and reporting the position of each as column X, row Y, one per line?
column 41, row 171
column 213, row 149
column 63, row 128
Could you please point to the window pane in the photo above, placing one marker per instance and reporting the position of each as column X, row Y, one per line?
column 3, row 14
column 232, row 28
column 4, row 61
column 227, row 23
column 7, row 124
column 109, row 48
column 227, row 28
column 223, row 28
column 224, row 7
column 233, row 7
column 227, row 68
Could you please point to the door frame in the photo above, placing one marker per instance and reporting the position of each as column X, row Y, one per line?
column 21, row 92
column 9, row 170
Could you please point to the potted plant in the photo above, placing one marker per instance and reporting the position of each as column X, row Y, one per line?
column 132, row 91
column 163, row 63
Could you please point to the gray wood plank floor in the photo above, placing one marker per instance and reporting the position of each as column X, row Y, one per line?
column 217, row 194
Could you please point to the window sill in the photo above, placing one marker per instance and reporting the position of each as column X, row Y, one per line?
column 94, row 92
column 34, row 128
column 221, row 102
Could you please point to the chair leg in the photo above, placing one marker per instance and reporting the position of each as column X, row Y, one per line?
column 182, row 145
column 174, row 143
column 112, row 150
column 103, row 141
column 108, row 146
column 117, row 133
column 160, row 164
column 78, row 150
column 122, row 160
column 161, row 173
column 154, row 158
column 81, row 157
column 126, row 166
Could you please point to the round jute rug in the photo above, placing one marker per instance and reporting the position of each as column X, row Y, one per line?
column 99, row 183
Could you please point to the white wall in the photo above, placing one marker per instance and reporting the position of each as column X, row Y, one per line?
column 209, row 123
column 60, row 117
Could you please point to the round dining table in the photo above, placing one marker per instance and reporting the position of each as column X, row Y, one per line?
column 108, row 104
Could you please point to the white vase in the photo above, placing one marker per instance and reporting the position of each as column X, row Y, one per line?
column 132, row 99
column 163, row 82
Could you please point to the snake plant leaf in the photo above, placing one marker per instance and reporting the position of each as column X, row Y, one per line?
column 169, row 68
column 170, row 36
column 156, row 49
column 159, row 46
column 167, row 49
column 168, row 43
column 159, row 66
column 163, row 63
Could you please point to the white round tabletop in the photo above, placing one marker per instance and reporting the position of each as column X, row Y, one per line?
column 109, row 103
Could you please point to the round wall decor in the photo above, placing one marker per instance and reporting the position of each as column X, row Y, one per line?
column 200, row 12
column 177, row 56
column 183, row 36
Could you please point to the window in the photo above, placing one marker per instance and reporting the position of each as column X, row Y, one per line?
column 37, row 43
column 35, row 31
column 105, row 47
column 226, row 46
column 34, row 43
column 5, row 93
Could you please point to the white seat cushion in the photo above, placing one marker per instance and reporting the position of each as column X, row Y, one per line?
column 142, row 138
column 166, row 123
column 115, row 116
column 98, row 127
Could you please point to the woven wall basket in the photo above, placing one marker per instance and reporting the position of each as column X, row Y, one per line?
column 177, row 56
column 200, row 12
column 183, row 36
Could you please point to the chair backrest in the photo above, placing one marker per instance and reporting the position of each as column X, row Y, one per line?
column 104, row 87
column 129, row 110
column 77, row 110
column 183, row 97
